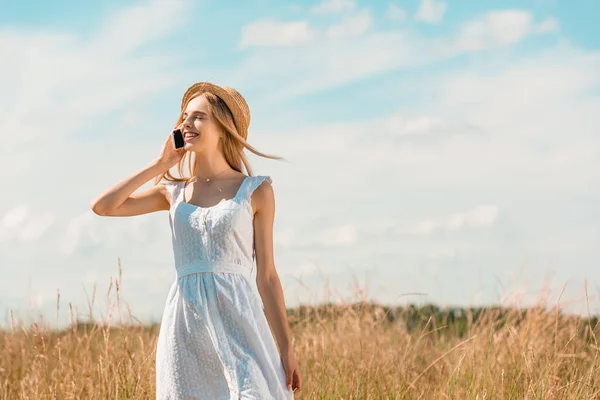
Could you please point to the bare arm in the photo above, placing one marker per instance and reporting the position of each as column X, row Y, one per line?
column 119, row 199
column 268, row 282
column 267, row 279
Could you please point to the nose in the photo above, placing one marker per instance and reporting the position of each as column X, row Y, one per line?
column 186, row 121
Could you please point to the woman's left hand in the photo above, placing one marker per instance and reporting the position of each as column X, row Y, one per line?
column 292, row 374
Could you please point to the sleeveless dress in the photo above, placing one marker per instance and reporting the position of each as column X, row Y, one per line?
column 214, row 341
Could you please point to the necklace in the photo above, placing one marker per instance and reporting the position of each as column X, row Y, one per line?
column 208, row 180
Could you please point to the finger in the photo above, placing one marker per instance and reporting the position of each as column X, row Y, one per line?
column 289, row 377
column 297, row 380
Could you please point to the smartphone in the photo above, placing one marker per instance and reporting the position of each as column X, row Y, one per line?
column 178, row 141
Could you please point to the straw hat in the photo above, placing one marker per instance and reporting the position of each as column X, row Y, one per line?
column 234, row 100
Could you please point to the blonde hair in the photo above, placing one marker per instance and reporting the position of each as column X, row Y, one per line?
column 232, row 142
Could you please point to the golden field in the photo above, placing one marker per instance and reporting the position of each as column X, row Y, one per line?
column 357, row 350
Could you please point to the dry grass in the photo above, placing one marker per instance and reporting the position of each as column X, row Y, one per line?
column 350, row 351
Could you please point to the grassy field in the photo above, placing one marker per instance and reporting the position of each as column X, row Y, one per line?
column 350, row 351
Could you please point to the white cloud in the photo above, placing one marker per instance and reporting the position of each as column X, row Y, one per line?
column 36, row 227
column 352, row 26
column 431, row 11
column 81, row 231
column 519, row 161
column 328, row 63
column 344, row 235
column 550, row 24
column 480, row 124
column 309, row 269
column 332, row 62
column 13, row 218
column 21, row 224
column 269, row 32
column 399, row 124
column 443, row 254
column 499, row 28
column 419, row 125
column 395, row 12
column 527, row 89
column 482, row 216
column 333, row 6
column 426, row 227
column 68, row 80
column 89, row 229
column 285, row 238
column 137, row 25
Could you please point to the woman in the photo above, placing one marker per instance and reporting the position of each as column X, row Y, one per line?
column 214, row 340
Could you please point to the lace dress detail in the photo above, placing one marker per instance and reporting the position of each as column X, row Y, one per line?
column 214, row 340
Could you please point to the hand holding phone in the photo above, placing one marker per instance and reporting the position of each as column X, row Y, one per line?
column 173, row 148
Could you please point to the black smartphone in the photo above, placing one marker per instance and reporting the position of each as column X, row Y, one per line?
column 178, row 141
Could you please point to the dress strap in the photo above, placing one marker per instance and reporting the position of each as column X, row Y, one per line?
column 251, row 183
column 174, row 189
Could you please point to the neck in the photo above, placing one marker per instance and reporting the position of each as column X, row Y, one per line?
column 207, row 166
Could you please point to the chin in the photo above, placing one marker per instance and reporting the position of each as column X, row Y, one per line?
column 195, row 149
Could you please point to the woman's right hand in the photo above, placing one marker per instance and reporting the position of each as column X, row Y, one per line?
column 169, row 156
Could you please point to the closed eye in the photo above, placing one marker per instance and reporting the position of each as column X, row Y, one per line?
column 198, row 113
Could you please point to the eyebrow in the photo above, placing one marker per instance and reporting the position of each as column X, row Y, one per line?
column 198, row 112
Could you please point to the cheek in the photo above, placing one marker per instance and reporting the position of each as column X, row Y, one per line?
column 207, row 129
column 202, row 124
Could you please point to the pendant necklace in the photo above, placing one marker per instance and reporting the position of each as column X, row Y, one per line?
column 209, row 179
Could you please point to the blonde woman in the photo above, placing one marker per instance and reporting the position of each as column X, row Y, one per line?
column 215, row 340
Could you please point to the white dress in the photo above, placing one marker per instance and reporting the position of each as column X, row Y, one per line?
column 214, row 341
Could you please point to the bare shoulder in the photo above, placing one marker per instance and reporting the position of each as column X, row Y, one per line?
column 162, row 189
column 166, row 188
column 263, row 198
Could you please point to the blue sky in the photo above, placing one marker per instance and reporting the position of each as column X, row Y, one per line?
column 436, row 147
